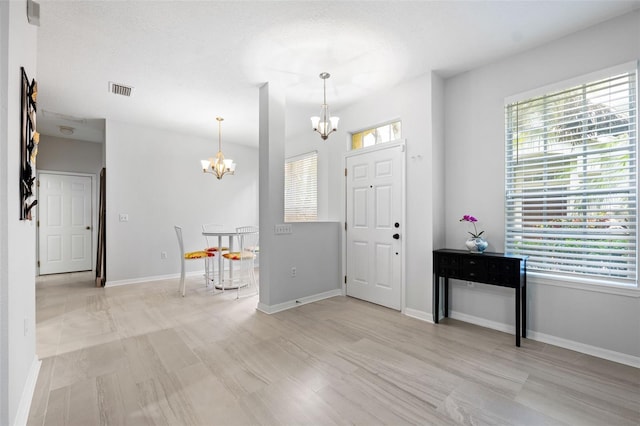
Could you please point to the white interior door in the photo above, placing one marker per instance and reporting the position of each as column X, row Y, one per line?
column 64, row 216
column 374, row 225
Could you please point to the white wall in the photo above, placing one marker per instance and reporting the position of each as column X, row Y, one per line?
column 18, row 362
column 154, row 176
column 69, row 155
column 271, row 139
column 438, row 163
column 474, row 181
column 4, row 243
column 313, row 248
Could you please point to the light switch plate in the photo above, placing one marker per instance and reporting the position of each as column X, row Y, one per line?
column 283, row 228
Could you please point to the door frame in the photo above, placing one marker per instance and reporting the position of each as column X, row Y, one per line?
column 94, row 210
column 402, row 143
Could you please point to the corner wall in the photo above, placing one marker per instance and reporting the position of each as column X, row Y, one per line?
column 603, row 324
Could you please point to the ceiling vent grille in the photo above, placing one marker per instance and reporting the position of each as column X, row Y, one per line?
column 120, row 89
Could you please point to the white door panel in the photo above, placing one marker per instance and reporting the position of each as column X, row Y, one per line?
column 64, row 232
column 360, row 201
column 374, row 207
column 383, row 205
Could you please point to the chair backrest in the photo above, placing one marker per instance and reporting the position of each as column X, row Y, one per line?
column 210, row 227
column 180, row 243
column 248, row 237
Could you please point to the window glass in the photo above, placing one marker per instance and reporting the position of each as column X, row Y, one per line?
column 369, row 137
column 356, row 141
column 571, row 184
column 301, row 188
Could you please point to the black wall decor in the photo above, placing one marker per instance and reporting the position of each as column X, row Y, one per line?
column 29, row 139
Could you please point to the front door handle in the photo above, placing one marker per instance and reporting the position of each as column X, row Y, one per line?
column 396, row 236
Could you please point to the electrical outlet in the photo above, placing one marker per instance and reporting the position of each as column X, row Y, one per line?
column 163, row 255
column 470, row 284
column 124, row 217
column 293, row 271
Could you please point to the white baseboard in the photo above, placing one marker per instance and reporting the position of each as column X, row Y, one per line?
column 505, row 328
column 147, row 279
column 607, row 354
column 153, row 278
column 22, row 415
column 272, row 309
column 414, row 313
column 618, row 357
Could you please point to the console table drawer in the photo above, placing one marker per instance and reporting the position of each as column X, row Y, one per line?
column 449, row 266
column 474, row 269
column 485, row 268
column 501, row 273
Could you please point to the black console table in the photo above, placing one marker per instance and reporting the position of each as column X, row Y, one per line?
column 488, row 268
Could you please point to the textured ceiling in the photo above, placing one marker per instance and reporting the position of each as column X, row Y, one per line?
column 190, row 61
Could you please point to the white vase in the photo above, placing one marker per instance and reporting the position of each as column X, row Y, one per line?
column 476, row 245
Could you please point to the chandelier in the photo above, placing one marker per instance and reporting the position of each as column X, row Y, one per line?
column 324, row 124
column 219, row 166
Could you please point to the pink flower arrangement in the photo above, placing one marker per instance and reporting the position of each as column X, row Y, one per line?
column 473, row 220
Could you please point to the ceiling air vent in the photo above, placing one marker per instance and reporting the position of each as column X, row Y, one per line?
column 120, row 89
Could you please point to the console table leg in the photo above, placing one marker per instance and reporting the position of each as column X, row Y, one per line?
column 524, row 307
column 518, row 316
column 436, row 298
column 446, row 297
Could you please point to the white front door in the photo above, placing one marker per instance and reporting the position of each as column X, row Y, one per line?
column 374, row 225
column 64, row 215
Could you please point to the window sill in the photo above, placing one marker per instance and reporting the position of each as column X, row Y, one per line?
column 581, row 284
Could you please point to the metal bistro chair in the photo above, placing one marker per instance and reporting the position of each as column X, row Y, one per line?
column 212, row 247
column 248, row 239
column 192, row 255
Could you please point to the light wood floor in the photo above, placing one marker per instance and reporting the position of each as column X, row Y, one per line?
column 143, row 355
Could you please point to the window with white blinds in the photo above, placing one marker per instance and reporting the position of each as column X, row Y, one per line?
column 301, row 188
column 571, row 181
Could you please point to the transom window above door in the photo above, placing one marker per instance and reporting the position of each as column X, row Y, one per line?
column 375, row 135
